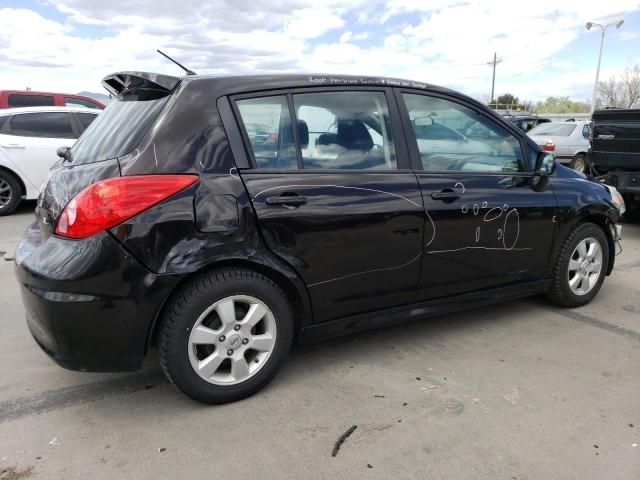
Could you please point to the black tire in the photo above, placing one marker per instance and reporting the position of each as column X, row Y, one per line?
column 560, row 292
column 580, row 159
column 186, row 306
column 15, row 192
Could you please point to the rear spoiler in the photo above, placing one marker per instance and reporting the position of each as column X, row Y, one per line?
column 120, row 84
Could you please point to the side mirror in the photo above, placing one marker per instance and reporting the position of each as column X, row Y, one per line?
column 63, row 152
column 545, row 165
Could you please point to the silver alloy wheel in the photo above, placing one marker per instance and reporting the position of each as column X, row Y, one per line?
column 5, row 193
column 232, row 340
column 585, row 266
column 579, row 164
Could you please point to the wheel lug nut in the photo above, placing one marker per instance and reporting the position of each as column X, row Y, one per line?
column 245, row 341
column 236, row 328
column 222, row 338
column 229, row 352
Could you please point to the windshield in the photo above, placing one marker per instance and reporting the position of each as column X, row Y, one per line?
column 555, row 129
column 117, row 129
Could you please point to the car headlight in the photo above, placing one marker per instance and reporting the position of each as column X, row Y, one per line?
column 616, row 196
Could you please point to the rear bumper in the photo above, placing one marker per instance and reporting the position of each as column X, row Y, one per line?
column 89, row 303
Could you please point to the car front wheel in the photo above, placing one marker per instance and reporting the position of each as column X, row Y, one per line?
column 580, row 267
column 225, row 335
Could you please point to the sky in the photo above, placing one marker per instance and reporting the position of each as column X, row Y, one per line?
column 70, row 45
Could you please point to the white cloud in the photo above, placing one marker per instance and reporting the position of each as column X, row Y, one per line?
column 445, row 42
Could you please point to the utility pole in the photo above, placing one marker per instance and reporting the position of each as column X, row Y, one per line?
column 493, row 81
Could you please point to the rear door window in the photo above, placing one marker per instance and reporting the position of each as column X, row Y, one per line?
column 117, row 130
column 42, row 124
column 17, row 100
column 346, row 130
column 333, row 130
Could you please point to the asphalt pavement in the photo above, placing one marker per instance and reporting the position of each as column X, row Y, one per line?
column 522, row 390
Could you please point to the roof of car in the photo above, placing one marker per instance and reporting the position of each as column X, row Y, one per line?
column 11, row 111
column 231, row 84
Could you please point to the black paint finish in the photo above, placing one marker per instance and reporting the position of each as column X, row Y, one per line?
column 357, row 249
column 356, row 242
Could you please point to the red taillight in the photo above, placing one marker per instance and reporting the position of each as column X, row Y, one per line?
column 109, row 202
column 549, row 147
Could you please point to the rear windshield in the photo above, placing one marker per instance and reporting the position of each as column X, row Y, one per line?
column 117, row 130
column 554, row 129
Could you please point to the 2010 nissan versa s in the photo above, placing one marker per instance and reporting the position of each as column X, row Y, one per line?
column 222, row 218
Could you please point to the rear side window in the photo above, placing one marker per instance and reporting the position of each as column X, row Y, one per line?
column 268, row 128
column 85, row 119
column 19, row 100
column 42, row 124
column 79, row 102
column 452, row 137
column 117, row 130
column 3, row 120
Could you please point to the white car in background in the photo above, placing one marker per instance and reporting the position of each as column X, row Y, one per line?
column 29, row 138
column 568, row 141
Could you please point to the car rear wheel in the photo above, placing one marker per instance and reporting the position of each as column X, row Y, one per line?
column 580, row 267
column 10, row 193
column 225, row 335
column 579, row 163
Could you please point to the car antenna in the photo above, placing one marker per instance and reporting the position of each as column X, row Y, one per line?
column 189, row 72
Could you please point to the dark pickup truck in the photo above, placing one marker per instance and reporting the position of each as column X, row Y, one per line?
column 614, row 155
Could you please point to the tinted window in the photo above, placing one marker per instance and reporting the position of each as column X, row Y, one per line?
column 346, row 130
column 117, row 130
column 21, row 100
column 3, row 120
column 478, row 145
column 554, row 129
column 79, row 102
column 42, row 124
column 268, row 128
column 85, row 119
column 586, row 130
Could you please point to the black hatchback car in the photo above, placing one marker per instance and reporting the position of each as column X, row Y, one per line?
column 368, row 201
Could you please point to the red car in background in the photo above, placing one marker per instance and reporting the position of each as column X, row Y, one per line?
column 28, row 98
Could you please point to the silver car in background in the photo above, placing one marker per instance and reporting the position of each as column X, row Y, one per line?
column 568, row 141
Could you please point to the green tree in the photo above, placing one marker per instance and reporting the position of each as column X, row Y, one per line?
column 561, row 105
column 507, row 99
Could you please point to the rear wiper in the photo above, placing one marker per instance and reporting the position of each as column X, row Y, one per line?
column 64, row 153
